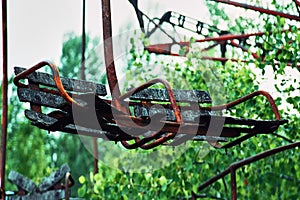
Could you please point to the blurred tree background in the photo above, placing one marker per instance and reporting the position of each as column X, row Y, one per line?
column 35, row 153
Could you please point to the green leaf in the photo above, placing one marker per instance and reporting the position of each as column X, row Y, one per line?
column 81, row 179
column 81, row 191
column 163, row 180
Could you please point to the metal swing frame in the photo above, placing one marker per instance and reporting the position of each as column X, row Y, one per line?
column 223, row 39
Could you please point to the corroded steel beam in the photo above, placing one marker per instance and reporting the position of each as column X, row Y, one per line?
column 4, row 99
column 234, row 166
column 260, row 9
column 108, row 50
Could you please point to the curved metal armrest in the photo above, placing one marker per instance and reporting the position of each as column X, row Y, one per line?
column 169, row 91
column 157, row 142
column 56, row 78
column 69, row 182
column 245, row 98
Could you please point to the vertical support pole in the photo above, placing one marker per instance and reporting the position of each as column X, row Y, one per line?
column 109, row 57
column 67, row 192
column 233, row 183
column 4, row 98
column 108, row 50
column 83, row 77
column 83, row 43
column 96, row 169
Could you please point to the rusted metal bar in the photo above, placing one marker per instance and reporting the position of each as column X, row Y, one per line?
column 247, row 161
column 83, row 43
column 4, row 99
column 169, row 91
column 56, row 78
column 233, row 184
column 260, row 9
column 95, row 144
column 210, row 47
column 174, row 106
column 245, row 98
column 233, row 43
column 83, row 77
column 165, row 49
column 140, row 143
column 108, row 50
column 68, row 83
column 159, row 141
column 69, row 182
column 196, row 96
column 221, row 38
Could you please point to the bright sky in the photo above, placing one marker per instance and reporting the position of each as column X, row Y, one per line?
column 36, row 27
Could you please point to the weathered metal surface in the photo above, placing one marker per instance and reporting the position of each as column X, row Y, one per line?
column 4, row 121
column 41, row 119
column 50, row 188
column 209, row 138
column 187, row 115
column 41, row 98
column 54, row 178
column 22, row 181
column 180, row 95
column 69, row 84
column 47, row 122
column 205, row 117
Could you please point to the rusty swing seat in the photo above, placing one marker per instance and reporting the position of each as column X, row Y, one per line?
column 55, row 102
column 143, row 117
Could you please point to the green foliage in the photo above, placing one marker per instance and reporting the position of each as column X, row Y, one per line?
column 71, row 58
column 68, row 148
column 25, row 143
column 33, row 152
